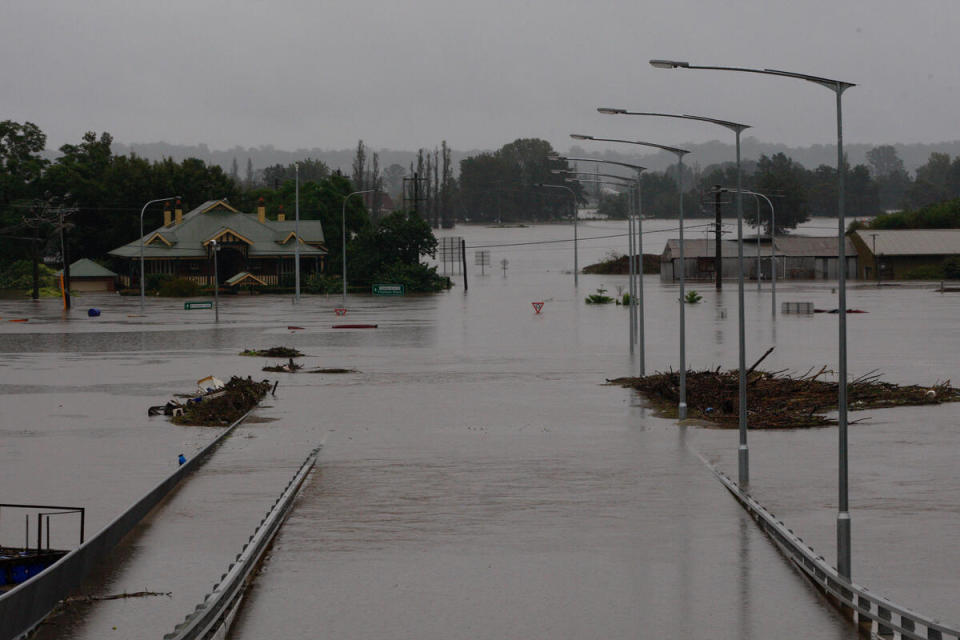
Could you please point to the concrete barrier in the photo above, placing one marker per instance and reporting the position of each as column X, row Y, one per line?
column 25, row 606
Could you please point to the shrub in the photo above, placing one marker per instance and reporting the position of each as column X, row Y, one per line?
column 321, row 283
column 924, row 272
column 19, row 275
column 179, row 288
column 951, row 268
column 155, row 281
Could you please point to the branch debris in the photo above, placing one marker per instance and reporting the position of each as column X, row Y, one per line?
column 776, row 400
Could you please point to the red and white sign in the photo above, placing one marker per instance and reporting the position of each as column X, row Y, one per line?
column 340, row 311
column 537, row 306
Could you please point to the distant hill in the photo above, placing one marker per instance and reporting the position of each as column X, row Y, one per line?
column 703, row 155
column 715, row 152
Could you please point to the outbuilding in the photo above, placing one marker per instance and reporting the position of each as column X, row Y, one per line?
column 895, row 254
column 87, row 275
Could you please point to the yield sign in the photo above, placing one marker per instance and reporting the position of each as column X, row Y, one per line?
column 537, row 306
column 340, row 311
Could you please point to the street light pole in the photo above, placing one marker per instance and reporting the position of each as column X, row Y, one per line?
column 296, row 232
column 142, row 211
column 216, row 283
column 838, row 87
column 573, row 205
column 343, row 241
column 737, row 128
column 682, row 403
column 637, row 319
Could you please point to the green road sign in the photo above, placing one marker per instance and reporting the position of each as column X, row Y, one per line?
column 388, row 289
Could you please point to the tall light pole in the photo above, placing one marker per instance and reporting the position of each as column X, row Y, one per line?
column 637, row 322
column 216, row 283
column 838, row 87
column 573, row 208
column 142, row 211
column 343, row 240
column 296, row 232
column 631, row 240
column 682, row 404
column 773, row 245
column 743, row 455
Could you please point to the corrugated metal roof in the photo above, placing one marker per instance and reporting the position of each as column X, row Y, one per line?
column 790, row 246
column 912, row 242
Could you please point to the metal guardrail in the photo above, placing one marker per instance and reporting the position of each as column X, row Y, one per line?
column 874, row 614
column 214, row 615
column 25, row 606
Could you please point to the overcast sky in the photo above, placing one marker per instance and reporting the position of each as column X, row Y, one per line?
column 300, row 74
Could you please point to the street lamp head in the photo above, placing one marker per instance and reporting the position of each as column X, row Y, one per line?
column 669, row 64
column 559, row 171
column 580, row 136
column 610, row 111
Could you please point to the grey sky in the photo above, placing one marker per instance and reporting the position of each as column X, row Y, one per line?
column 407, row 74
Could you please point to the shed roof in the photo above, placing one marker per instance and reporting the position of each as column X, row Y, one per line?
column 84, row 268
column 912, row 242
column 791, row 246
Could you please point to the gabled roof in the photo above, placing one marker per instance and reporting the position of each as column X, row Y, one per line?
column 84, row 268
column 212, row 219
column 245, row 277
column 791, row 246
column 912, row 242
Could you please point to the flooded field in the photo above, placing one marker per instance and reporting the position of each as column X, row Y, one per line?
column 479, row 479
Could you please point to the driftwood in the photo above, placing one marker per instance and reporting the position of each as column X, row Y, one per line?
column 777, row 401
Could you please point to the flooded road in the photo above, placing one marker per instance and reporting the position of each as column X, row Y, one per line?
column 479, row 479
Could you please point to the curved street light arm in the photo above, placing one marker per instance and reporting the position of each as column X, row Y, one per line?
column 834, row 85
column 733, row 126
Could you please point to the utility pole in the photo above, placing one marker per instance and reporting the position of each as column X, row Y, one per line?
column 718, row 258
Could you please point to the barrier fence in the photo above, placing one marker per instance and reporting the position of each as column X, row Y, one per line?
column 25, row 606
column 214, row 615
column 874, row 614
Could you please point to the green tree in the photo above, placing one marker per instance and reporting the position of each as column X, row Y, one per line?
column 503, row 185
column 781, row 176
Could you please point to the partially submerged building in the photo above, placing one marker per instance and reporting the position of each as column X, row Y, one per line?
column 891, row 254
column 87, row 275
column 247, row 243
column 797, row 257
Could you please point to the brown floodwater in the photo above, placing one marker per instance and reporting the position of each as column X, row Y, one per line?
column 479, row 479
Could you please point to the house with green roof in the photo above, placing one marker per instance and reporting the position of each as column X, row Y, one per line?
column 245, row 243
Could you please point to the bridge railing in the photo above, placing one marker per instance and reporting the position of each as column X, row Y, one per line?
column 873, row 613
column 25, row 606
column 213, row 616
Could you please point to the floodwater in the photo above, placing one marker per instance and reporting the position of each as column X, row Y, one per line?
column 478, row 478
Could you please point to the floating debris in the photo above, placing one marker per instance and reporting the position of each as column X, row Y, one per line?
column 218, row 408
column 272, row 352
column 289, row 367
column 331, row 370
column 778, row 401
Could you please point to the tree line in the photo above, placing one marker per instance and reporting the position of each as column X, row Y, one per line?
column 89, row 200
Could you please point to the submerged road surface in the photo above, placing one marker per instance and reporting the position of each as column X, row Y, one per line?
column 479, row 479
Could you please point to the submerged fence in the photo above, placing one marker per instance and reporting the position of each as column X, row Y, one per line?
column 25, row 606
column 874, row 614
column 212, row 617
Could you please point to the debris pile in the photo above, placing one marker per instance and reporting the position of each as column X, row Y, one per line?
column 776, row 400
column 289, row 367
column 273, row 352
column 221, row 407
